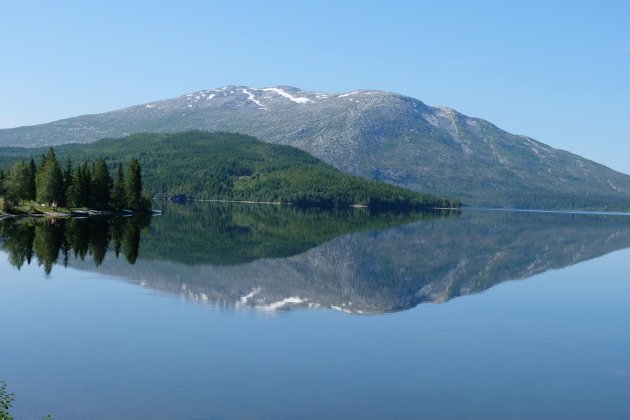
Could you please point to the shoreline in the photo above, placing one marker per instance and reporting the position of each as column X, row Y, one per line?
column 280, row 203
column 80, row 214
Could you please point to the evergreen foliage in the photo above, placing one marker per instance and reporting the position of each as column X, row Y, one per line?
column 228, row 166
column 31, row 185
column 119, row 198
column 67, row 180
column 6, row 401
column 133, row 185
column 101, row 185
column 49, row 180
column 88, row 185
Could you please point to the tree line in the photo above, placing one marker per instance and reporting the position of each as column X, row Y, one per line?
column 88, row 185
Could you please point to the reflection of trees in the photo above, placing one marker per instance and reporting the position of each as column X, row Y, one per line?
column 49, row 236
column 78, row 238
column 131, row 242
column 99, row 239
column 17, row 239
column 228, row 234
column 131, row 238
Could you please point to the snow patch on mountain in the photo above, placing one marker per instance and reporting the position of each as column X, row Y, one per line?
column 252, row 98
column 296, row 99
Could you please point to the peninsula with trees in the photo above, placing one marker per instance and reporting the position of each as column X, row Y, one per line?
column 28, row 188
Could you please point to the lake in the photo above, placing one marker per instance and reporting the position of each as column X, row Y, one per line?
column 215, row 311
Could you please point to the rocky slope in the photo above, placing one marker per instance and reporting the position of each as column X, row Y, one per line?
column 373, row 134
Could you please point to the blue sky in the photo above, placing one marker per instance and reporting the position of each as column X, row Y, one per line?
column 558, row 71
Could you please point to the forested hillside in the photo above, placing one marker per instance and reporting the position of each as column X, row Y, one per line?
column 227, row 166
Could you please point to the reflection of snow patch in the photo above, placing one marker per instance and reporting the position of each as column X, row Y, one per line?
column 299, row 100
column 337, row 308
column 277, row 305
column 250, row 295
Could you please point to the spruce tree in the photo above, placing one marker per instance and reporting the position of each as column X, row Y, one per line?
column 101, row 185
column 119, row 200
column 133, row 185
column 49, row 180
column 67, row 181
column 32, row 186
column 84, row 186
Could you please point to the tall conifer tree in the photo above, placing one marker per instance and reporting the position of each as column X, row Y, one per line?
column 133, row 185
column 101, row 185
column 49, row 180
column 118, row 194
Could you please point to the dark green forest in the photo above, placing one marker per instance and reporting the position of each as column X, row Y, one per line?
column 228, row 166
column 30, row 185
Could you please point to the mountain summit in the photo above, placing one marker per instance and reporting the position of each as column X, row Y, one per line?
column 373, row 134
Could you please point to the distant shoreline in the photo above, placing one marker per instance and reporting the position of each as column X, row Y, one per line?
column 280, row 203
column 581, row 212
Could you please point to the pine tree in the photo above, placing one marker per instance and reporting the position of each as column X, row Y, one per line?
column 101, row 185
column 32, row 186
column 133, row 185
column 49, row 180
column 118, row 194
column 67, row 181
column 82, row 186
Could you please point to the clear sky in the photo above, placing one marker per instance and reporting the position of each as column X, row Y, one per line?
column 558, row 71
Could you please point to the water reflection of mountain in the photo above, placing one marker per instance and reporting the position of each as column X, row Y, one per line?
column 387, row 269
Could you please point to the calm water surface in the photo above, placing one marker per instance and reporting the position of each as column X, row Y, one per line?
column 230, row 312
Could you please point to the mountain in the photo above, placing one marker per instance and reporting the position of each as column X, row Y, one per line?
column 373, row 134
